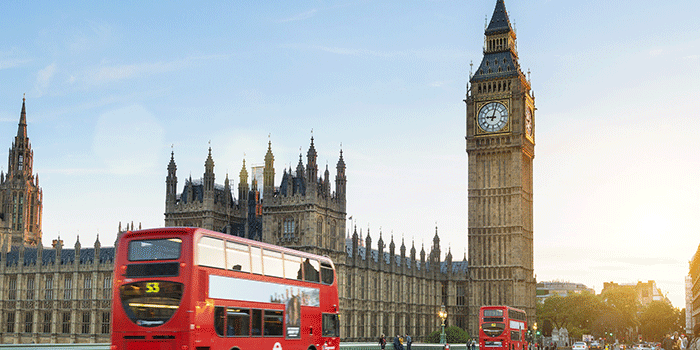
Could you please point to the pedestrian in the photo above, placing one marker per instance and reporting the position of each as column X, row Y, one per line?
column 397, row 343
column 409, row 341
column 382, row 342
column 667, row 342
column 684, row 342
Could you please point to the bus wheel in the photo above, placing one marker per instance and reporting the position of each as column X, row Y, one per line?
column 311, row 348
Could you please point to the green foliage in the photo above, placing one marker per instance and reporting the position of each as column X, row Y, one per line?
column 454, row 335
column 658, row 319
column 576, row 311
column 623, row 300
column 615, row 311
column 610, row 320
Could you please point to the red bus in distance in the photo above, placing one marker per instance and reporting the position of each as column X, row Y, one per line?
column 180, row 288
column 502, row 328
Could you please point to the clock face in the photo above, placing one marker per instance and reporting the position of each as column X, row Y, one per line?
column 493, row 116
column 528, row 121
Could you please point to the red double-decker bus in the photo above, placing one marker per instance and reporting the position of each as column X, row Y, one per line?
column 502, row 328
column 194, row 289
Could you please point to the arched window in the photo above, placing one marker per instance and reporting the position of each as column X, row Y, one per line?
column 288, row 229
column 319, row 232
column 333, row 234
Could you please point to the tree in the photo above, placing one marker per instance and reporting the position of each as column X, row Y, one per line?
column 553, row 310
column 576, row 312
column 609, row 321
column 585, row 308
column 622, row 300
column 657, row 319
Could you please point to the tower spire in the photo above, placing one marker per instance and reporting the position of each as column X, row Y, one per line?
column 500, row 23
column 500, row 49
column 269, row 171
column 22, row 129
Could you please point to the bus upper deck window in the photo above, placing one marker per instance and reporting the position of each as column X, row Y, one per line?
column 237, row 257
column 210, row 252
column 327, row 273
column 293, row 267
column 272, row 263
column 311, row 270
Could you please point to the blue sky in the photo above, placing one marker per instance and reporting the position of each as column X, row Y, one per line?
column 111, row 86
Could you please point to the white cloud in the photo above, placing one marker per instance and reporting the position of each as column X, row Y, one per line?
column 299, row 17
column 106, row 73
column 656, row 52
column 11, row 62
column 10, row 59
column 128, row 140
column 89, row 36
column 43, row 78
column 362, row 52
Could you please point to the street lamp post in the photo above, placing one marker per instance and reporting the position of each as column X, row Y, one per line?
column 443, row 315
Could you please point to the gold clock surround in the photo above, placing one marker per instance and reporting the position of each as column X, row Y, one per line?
column 481, row 132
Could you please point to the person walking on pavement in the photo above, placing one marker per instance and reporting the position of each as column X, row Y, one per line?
column 382, row 342
column 397, row 343
column 408, row 340
column 666, row 343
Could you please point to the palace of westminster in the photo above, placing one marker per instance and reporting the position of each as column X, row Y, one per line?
column 61, row 295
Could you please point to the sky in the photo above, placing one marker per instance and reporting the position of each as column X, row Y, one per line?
column 112, row 88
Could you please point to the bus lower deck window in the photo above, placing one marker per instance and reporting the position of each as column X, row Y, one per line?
column 273, row 323
column 237, row 322
column 219, row 319
column 256, row 323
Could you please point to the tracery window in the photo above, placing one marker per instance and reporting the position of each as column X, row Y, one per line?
column 12, row 288
column 46, row 325
column 10, row 322
column 48, row 293
column 85, row 327
column 87, row 287
column 107, row 288
column 30, row 288
column 288, row 229
column 67, row 288
column 105, row 322
column 28, row 321
column 334, row 239
column 65, row 326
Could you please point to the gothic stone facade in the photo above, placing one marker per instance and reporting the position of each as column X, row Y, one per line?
column 380, row 292
column 56, row 295
column 390, row 293
column 20, row 195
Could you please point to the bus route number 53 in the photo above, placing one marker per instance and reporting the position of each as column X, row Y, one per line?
column 152, row 287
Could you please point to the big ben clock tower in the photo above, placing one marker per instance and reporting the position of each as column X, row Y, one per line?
column 500, row 146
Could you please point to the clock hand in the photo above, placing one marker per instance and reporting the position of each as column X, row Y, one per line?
column 493, row 116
